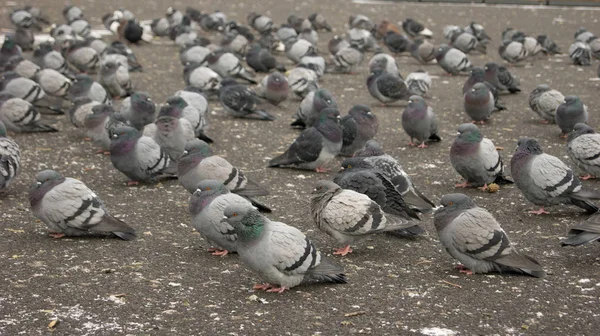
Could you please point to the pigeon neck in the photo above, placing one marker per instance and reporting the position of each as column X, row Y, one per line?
column 37, row 192
column 330, row 129
column 251, row 227
column 202, row 199
column 188, row 162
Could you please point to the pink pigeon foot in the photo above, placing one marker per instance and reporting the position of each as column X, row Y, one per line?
column 539, row 212
column 322, row 170
column 220, row 253
column 87, row 139
column 264, row 286
column 484, row 188
column 587, row 177
column 133, row 183
column 410, row 143
column 343, row 250
column 422, row 145
column 56, row 235
column 463, row 269
column 277, row 289
column 463, row 185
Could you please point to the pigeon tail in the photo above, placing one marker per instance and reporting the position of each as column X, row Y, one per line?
column 584, row 232
column 328, row 271
column 261, row 207
column 37, row 128
column 251, row 189
column 203, row 136
column 261, row 115
column 435, row 137
column 519, row 263
column 503, row 180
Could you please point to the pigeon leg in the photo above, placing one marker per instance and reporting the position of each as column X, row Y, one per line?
column 343, row 250
column 322, row 170
column 484, row 188
column 463, row 185
column 264, row 286
column 539, row 212
column 410, row 143
column 132, row 183
column 280, row 289
column 463, row 269
column 212, row 249
column 482, row 122
column 56, row 235
column 587, row 177
column 87, row 139
column 220, row 253
column 422, row 145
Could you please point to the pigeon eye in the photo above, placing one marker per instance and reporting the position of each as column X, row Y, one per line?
column 450, row 203
column 349, row 166
column 234, row 214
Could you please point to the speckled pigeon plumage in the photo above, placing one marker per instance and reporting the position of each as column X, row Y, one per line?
column 358, row 127
column 10, row 159
column 472, row 235
column 419, row 122
column 543, row 100
column 418, row 83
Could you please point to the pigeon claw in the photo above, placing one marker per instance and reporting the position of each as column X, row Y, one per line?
column 322, row 170
column 541, row 211
column 280, row 289
column 463, row 185
column 220, row 253
column 422, row 145
column 463, row 269
column 264, row 286
column 484, row 188
column 342, row 250
column 133, row 183
column 56, row 235
column 587, row 177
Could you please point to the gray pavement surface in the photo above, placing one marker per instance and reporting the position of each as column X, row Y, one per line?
column 165, row 283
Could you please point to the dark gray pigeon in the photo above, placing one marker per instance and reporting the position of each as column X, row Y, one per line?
column 414, row 28
column 585, row 232
column 319, row 22
column 279, row 254
column 315, row 146
column 476, row 159
column 452, row 60
column 396, row 43
column 24, row 38
column 274, row 88
column 580, row 53
column 419, row 122
column 9, row 49
column 472, row 235
column 69, row 208
column 139, row 109
column 545, row 180
column 569, row 113
column 227, row 64
column 583, row 149
column 137, row 156
column 543, row 100
column 261, row 60
column 479, row 103
column 478, row 76
column 21, row 116
column 311, row 106
column 386, row 87
column 10, row 159
column 374, row 155
column 501, row 78
column 85, row 86
column 358, row 127
column 240, row 101
column 349, row 216
column 549, row 45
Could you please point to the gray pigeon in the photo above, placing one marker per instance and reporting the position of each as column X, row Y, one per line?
column 24, row 68
column 584, row 232
column 196, row 111
column 513, row 51
column 501, row 78
column 478, row 76
column 69, row 208
column 472, row 235
column 85, row 86
column 311, row 106
column 476, row 159
column 583, row 35
column 9, row 49
column 194, row 54
column 21, row 18
column 297, row 48
column 479, row 31
column 467, row 42
column 580, row 53
column 310, row 35
column 452, row 60
column 53, row 82
column 302, row 81
column 549, row 45
column 362, row 38
column 545, row 180
column 10, row 159
column 583, row 149
column 347, row 60
column 569, row 113
column 315, row 146
column 349, row 216
column 386, row 87
column 313, row 61
column 419, row 122
column 203, row 78
column 160, row 27
column 381, row 60
column 361, row 21
column 81, row 27
column 374, row 155
column 95, row 125
column 274, row 88
column 21, row 116
column 261, row 60
column 423, row 51
column 84, row 58
column 319, row 22
column 46, row 57
column 418, row 82
column 336, row 44
column 137, row 156
column 227, row 64
column 171, row 131
column 20, row 87
column 280, row 254
column 139, row 109
column 195, row 117
column 72, row 13
column 261, row 23
column 24, row 39
column 240, row 101
column 234, row 42
column 115, row 79
column 286, row 33
column 82, row 106
column 479, row 103
column 358, row 127
column 207, row 204
column 543, row 100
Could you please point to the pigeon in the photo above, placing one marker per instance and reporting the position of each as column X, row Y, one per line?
column 131, row 31
column 386, row 87
column 315, row 146
column 396, row 43
column 160, row 27
column 479, row 31
column 349, row 216
column 543, row 100
column 501, row 78
column 381, row 60
column 309, row 35
column 423, row 51
column 361, row 22
column 584, row 232
column 479, row 103
column 24, row 68
column 234, row 42
column 418, row 83
column 583, row 148
column 64, row 37
column 39, row 20
column 302, row 81
column 274, row 88
column 137, row 156
column 570, row 112
column 202, row 78
column 358, row 127
column 374, row 155
column 261, row 23
column 365, row 41
column 467, row 42
column 452, row 60
column 118, row 47
column 195, row 54
column 580, row 53
column 116, row 80
column 46, row 57
column 347, row 60
column 69, row 208
column 384, row 26
column 207, row 205
column 197, row 118
column 239, row 29
column 513, row 51
column 53, row 82
column 261, row 60
column 82, row 106
column 286, row 33
column 336, row 44
column 97, row 44
column 476, row 159
column 295, row 49
column 595, row 47
column 449, row 30
column 72, row 13
column 478, row 76
column 228, row 65
column 24, row 38
column 545, row 180
column 196, row 100
column 311, row 106
column 316, row 63
column 298, row 23
column 85, row 86
column 583, row 35
column 95, row 125
column 9, row 49
column 10, row 159
column 548, row 45
column 531, row 44
column 84, row 58
column 240, row 101
column 419, row 122
column 174, row 16
column 319, row 22
column 17, row 86
column 81, row 27
column 472, row 235
column 139, row 109
column 414, row 29
column 171, row 130
column 21, row 18
column 280, row 254
column 20, row 116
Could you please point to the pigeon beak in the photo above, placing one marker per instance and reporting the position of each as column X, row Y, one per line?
column 457, row 133
column 115, row 136
column 224, row 217
column 38, row 183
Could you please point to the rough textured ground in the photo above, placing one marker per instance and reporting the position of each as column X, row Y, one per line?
column 165, row 283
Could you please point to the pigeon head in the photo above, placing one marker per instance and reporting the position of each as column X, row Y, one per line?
column 43, row 49
column 205, row 193
column 581, row 30
column 540, row 89
column 441, row 52
column 142, row 102
column 469, row 132
column 361, row 112
column 211, row 186
column 9, row 43
column 456, row 201
column 372, row 148
column 102, row 110
column 109, row 68
column 177, row 101
column 99, row 114
column 13, row 62
column 477, row 72
column 323, row 99
column 580, row 129
column 491, row 67
column 171, row 111
column 329, row 114
column 44, row 182
column 199, row 147
column 356, row 163
column 479, row 89
column 247, row 222
column 324, row 187
column 125, row 134
column 571, row 100
column 417, row 103
column 529, row 145
column 2, row 129
column 277, row 81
